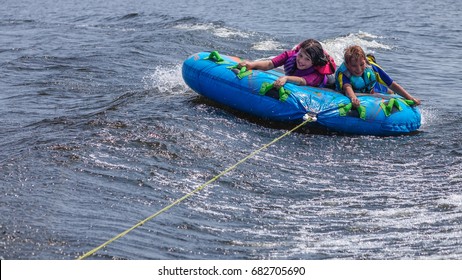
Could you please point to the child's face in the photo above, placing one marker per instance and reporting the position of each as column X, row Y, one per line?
column 303, row 60
column 356, row 66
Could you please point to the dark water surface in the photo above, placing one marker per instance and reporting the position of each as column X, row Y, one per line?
column 98, row 131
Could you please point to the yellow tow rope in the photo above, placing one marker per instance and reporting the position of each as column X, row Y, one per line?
column 307, row 119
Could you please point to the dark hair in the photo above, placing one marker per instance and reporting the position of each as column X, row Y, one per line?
column 314, row 49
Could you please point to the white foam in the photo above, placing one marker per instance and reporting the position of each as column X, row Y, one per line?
column 99, row 160
column 428, row 116
column 453, row 199
column 268, row 45
column 335, row 47
column 166, row 78
column 218, row 31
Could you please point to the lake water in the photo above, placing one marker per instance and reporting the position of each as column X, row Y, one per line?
column 99, row 131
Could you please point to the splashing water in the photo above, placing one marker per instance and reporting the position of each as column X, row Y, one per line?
column 268, row 45
column 166, row 78
column 223, row 32
column 335, row 47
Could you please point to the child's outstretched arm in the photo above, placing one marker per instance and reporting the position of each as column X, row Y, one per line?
column 258, row 65
column 401, row 91
column 281, row 81
column 351, row 94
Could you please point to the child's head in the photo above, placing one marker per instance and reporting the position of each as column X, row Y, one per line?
column 311, row 54
column 355, row 60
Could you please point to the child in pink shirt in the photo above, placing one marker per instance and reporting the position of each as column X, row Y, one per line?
column 307, row 64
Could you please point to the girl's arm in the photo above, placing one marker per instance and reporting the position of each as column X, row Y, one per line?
column 258, row 65
column 291, row 79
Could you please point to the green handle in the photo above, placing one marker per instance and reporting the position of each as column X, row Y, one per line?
column 344, row 109
column 393, row 102
column 243, row 72
column 409, row 102
column 215, row 56
column 283, row 93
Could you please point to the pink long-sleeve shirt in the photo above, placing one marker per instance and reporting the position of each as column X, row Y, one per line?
column 311, row 76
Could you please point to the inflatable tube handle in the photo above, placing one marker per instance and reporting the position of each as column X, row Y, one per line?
column 362, row 112
column 283, row 93
column 215, row 56
column 240, row 73
column 409, row 102
column 344, row 109
column 388, row 108
column 265, row 87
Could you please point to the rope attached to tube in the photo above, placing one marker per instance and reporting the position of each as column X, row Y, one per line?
column 306, row 119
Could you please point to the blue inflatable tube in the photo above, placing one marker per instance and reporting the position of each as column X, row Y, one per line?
column 216, row 77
